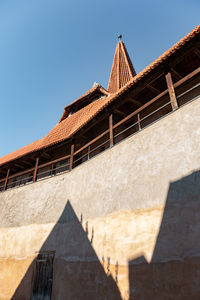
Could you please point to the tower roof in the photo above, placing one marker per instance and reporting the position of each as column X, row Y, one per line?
column 122, row 69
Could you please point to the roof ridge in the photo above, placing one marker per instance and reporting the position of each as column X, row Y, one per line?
column 96, row 86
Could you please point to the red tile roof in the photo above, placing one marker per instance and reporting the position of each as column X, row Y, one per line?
column 61, row 131
column 68, row 127
column 122, row 69
column 96, row 87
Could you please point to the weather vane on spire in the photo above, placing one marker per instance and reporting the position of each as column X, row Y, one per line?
column 119, row 37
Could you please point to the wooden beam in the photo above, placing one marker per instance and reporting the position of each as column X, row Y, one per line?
column 135, row 102
column 111, row 129
column 32, row 157
column 181, row 56
column 91, row 124
column 35, row 170
column 21, row 173
column 153, row 89
column 46, row 155
column 141, row 108
column 53, row 161
column 128, row 96
column 27, row 163
column 178, row 76
column 121, row 113
column 6, row 181
column 85, row 137
column 39, row 167
column 71, row 157
column 190, row 75
column 197, row 52
column 171, row 90
column 19, row 166
column 91, row 142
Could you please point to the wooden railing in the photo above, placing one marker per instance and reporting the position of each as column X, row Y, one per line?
column 34, row 174
column 129, row 125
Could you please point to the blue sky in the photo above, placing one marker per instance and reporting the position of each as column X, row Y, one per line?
column 52, row 51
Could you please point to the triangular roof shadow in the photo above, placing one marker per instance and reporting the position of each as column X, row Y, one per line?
column 77, row 271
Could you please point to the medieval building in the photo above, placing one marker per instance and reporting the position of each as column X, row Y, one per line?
column 107, row 204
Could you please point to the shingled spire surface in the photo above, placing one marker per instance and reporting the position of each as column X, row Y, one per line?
column 122, row 69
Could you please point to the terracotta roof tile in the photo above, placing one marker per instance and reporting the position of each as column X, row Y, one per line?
column 96, row 87
column 20, row 152
column 75, row 122
column 61, row 131
column 122, row 69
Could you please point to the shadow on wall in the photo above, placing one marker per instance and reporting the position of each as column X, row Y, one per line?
column 67, row 267
column 174, row 271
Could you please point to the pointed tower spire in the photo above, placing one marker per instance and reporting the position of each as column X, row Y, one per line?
column 122, row 69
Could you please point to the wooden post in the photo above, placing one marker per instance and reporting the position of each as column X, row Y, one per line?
column 138, row 117
column 88, row 152
column 6, row 180
column 111, row 129
column 52, row 169
column 171, row 90
column 71, row 157
column 35, row 171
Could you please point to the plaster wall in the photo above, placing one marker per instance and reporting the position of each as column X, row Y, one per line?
column 124, row 222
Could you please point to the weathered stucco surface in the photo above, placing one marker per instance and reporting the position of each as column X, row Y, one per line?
column 128, row 220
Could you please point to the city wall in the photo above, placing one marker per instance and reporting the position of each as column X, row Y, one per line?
column 124, row 225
